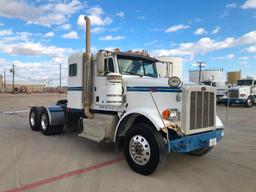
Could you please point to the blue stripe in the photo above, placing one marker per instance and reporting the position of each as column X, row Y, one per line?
column 154, row 89
column 55, row 110
column 75, row 88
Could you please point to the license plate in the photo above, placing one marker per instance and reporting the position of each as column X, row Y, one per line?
column 237, row 101
column 212, row 142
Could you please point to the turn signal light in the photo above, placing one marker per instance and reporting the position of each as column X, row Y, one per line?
column 166, row 114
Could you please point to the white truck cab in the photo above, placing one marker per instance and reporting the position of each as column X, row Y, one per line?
column 244, row 92
column 117, row 97
column 221, row 88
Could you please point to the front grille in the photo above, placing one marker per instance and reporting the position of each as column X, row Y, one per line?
column 233, row 93
column 201, row 109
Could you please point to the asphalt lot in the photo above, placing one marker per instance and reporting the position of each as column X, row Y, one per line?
column 27, row 157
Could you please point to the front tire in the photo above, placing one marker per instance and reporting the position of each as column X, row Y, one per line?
column 200, row 152
column 249, row 102
column 144, row 149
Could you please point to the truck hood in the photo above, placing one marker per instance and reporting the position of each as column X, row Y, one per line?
column 241, row 88
column 144, row 81
column 134, row 81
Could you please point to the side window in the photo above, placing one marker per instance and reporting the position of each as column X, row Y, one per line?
column 108, row 65
column 254, row 83
column 73, row 70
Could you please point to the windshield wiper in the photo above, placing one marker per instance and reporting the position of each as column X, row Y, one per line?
column 132, row 73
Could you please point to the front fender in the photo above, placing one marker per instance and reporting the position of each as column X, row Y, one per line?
column 219, row 124
column 150, row 114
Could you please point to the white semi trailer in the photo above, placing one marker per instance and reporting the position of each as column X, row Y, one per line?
column 117, row 97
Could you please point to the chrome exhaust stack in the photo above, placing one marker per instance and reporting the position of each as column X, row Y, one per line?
column 87, row 70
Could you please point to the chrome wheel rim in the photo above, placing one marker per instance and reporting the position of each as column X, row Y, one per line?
column 32, row 118
column 249, row 102
column 44, row 121
column 139, row 149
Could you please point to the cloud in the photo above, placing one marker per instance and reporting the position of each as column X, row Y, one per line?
column 200, row 31
column 120, row 14
column 150, row 43
column 96, row 14
column 251, row 49
column 231, row 6
column 216, row 30
column 66, row 26
column 228, row 57
column 49, row 34
column 249, row 4
column 141, row 17
column 175, row 28
column 1, row 24
column 33, row 49
column 243, row 58
column 70, row 35
column 98, row 29
column 5, row 32
column 45, row 15
column 111, row 38
column 206, row 45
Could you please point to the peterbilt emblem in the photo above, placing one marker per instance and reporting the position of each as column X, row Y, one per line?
column 203, row 88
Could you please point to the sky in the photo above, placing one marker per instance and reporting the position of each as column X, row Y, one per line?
column 37, row 36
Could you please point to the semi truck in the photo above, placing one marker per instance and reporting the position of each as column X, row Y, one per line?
column 117, row 97
column 244, row 92
column 221, row 88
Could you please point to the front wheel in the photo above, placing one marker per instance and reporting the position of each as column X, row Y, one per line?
column 144, row 149
column 249, row 102
column 200, row 152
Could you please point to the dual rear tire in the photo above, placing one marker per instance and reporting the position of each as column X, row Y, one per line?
column 39, row 121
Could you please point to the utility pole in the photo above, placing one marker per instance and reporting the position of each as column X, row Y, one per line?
column 4, row 81
column 200, row 65
column 60, row 78
column 12, row 70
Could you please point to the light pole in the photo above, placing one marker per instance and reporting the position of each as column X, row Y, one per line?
column 60, row 78
column 12, row 70
column 200, row 65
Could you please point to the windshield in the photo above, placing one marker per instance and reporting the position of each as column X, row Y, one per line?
column 136, row 66
column 244, row 82
column 209, row 83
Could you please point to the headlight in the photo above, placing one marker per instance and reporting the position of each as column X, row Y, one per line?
column 171, row 114
column 174, row 81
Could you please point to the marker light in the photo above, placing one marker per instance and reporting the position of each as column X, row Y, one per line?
column 166, row 114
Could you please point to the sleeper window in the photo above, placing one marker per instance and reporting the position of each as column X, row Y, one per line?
column 73, row 70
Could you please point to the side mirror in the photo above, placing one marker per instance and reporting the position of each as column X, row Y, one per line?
column 100, row 63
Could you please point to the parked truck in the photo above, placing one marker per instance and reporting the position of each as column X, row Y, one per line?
column 244, row 92
column 221, row 89
column 116, row 96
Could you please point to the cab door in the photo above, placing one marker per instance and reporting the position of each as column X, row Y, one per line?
column 99, row 93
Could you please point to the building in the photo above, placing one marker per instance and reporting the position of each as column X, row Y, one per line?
column 22, row 86
column 206, row 75
column 233, row 76
column 170, row 66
